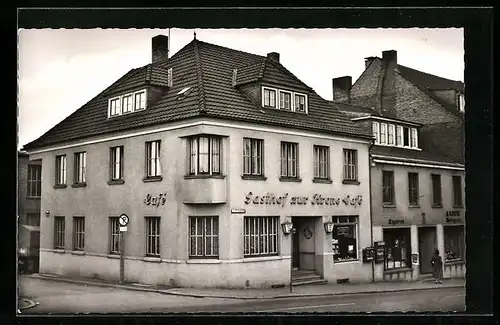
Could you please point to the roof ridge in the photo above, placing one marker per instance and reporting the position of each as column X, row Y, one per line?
column 228, row 48
column 429, row 74
column 201, row 91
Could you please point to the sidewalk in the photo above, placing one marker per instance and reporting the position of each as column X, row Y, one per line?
column 298, row 291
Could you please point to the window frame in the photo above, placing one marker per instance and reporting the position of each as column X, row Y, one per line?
column 383, row 133
column 34, row 185
column 317, row 163
column 61, row 170
column 391, row 136
column 413, row 138
column 271, row 241
column 114, row 236
column 456, row 192
column 215, row 238
column 140, row 92
column 404, row 232
column 249, row 160
column 113, row 163
column 130, row 103
column 120, row 100
column 293, row 99
column 295, row 95
column 215, row 170
column 376, row 131
column 389, row 187
column 284, row 92
column 340, row 221
column 461, row 242
column 156, row 160
column 347, row 165
column 59, row 232
column 414, row 190
column 289, row 148
column 436, row 204
column 400, row 131
column 78, row 233
column 275, row 91
column 157, row 236
column 80, row 168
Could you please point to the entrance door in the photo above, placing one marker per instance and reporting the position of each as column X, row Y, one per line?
column 295, row 247
column 427, row 244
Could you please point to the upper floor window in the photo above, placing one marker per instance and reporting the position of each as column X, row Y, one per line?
column 34, row 180
column 127, row 103
column 116, row 163
column 153, row 168
column 383, row 133
column 395, row 135
column 399, row 136
column 436, row 190
column 390, row 134
column 461, row 102
column 321, row 162
column 61, row 170
column 253, row 157
column 284, row 99
column 413, row 196
column 289, row 160
column 376, row 132
column 205, row 155
column 457, row 191
column 80, row 167
column 350, row 165
column 388, row 187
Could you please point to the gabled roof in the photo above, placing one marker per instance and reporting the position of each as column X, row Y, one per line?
column 429, row 81
column 208, row 70
column 151, row 74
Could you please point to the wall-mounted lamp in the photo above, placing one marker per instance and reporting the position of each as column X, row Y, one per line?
column 287, row 227
column 47, row 213
column 328, row 226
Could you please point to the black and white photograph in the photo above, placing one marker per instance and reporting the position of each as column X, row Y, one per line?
column 212, row 170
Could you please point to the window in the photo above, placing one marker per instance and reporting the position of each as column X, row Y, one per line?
column 414, row 138
column 114, row 235
column 436, row 190
column 300, row 103
column 80, row 167
column 253, row 158
column 205, row 155
column 376, row 132
column 457, row 191
column 34, row 180
column 289, row 163
column 140, row 100
column 390, row 135
column 153, row 159
column 127, row 103
column 78, row 233
column 61, row 170
column 387, row 187
column 117, row 163
column 153, row 236
column 383, row 133
column 461, row 102
column 114, row 107
column 269, row 97
column 454, row 243
column 350, row 165
column 260, row 236
column 204, row 237
column 321, row 162
column 399, row 136
column 285, row 100
column 398, row 248
column 59, row 229
column 344, row 238
column 413, row 189
column 33, row 219
column 406, row 137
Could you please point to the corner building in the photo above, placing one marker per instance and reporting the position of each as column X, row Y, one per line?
column 210, row 153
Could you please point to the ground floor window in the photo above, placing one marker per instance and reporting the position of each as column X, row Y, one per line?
column 114, row 235
column 153, row 236
column 204, row 237
column 398, row 248
column 344, row 238
column 260, row 236
column 78, row 233
column 59, row 230
column 454, row 243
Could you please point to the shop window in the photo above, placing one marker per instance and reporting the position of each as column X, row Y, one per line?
column 253, row 157
column 204, row 237
column 78, row 233
column 321, row 162
column 114, row 235
column 34, row 181
column 61, row 170
column 398, row 248
column 436, row 191
column 152, row 236
column 260, row 236
column 205, row 153
column 289, row 160
column 344, row 236
column 59, row 230
column 153, row 167
column 80, row 167
column 454, row 243
column 388, row 187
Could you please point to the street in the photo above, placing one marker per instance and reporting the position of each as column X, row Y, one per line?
column 60, row 297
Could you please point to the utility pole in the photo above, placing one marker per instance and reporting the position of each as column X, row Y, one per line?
column 122, row 257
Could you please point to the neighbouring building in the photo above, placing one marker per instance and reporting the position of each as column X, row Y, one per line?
column 417, row 173
column 29, row 181
column 211, row 153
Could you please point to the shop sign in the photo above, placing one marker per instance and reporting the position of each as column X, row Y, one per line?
column 414, row 259
column 316, row 199
column 155, row 200
column 395, row 222
column 234, row 211
column 453, row 213
column 379, row 247
column 453, row 216
column 453, row 220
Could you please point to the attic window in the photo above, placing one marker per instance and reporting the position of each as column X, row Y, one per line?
column 404, row 136
column 183, row 93
column 285, row 100
column 127, row 103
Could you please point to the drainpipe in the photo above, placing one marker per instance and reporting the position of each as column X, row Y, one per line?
column 370, row 199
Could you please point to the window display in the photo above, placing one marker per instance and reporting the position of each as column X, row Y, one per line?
column 344, row 244
column 398, row 249
column 454, row 243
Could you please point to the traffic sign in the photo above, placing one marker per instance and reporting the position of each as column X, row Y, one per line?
column 123, row 220
column 123, row 228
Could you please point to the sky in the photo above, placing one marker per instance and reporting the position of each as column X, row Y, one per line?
column 59, row 70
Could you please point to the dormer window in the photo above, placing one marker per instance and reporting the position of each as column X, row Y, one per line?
column 127, row 103
column 284, row 100
column 388, row 134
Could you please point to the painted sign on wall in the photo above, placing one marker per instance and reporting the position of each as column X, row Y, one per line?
column 316, row 199
column 155, row 200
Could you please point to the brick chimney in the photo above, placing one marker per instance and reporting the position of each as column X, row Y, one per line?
column 369, row 61
column 159, row 48
column 342, row 88
column 388, row 98
column 274, row 56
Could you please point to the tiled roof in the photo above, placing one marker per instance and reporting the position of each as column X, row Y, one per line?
column 152, row 74
column 429, row 81
column 208, row 70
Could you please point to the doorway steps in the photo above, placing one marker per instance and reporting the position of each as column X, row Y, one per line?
column 301, row 277
column 427, row 277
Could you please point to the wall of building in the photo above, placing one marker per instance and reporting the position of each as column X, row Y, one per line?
column 25, row 205
column 98, row 200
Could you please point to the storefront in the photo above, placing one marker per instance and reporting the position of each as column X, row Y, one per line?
column 454, row 244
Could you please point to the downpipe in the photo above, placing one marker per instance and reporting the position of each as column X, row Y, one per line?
column 370, row 199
